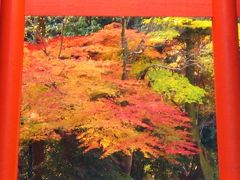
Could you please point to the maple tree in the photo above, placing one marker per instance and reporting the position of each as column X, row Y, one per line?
column 88, row 98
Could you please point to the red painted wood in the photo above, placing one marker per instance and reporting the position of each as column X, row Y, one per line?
column 11, row 53
column 120, row 7
column 227, row 82
column 227, row 65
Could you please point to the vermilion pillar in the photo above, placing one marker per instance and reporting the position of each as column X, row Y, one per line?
column 227, row 83
column 11, row 55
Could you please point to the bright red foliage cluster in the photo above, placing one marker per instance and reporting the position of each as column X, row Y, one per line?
column 87, row 98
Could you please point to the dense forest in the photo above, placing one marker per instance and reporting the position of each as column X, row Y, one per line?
column 115, row 98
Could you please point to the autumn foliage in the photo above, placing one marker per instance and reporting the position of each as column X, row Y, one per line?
column 83, row 94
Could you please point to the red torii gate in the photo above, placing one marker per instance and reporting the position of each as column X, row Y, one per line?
column 227, row 64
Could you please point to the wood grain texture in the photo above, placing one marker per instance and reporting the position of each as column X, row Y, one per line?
column 195, row 8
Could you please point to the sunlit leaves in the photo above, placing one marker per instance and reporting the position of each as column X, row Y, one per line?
column 162, row 36
column 181, row 22
column 87, row 98
column 175, row 87
column 168, row 28
column 171, row 85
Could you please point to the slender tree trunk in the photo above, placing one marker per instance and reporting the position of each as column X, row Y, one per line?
column 125, row 50
column 42, row 25
column 128, row 164
column 40, row 32
column 62, row 36
column 206, row 167
column 41, row 29
column 191, row 109
column 137, row 171
column 38, row 156
column 124, row 162
column 30, row 162
column 70, row 146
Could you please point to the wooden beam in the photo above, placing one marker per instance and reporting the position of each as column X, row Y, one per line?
column 11, row 57
column 227, row 83
column 195, row 8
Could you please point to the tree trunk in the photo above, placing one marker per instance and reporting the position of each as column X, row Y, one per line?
column 30, row 162
column 40, row 32
column 42, row 25
column 64, row 21
column 207, row 169
column 191, row 109
column 38, row 156
column 41, row 28
column 124, row 162
column 70, row 146
column 137, row 171
column 125, row 51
